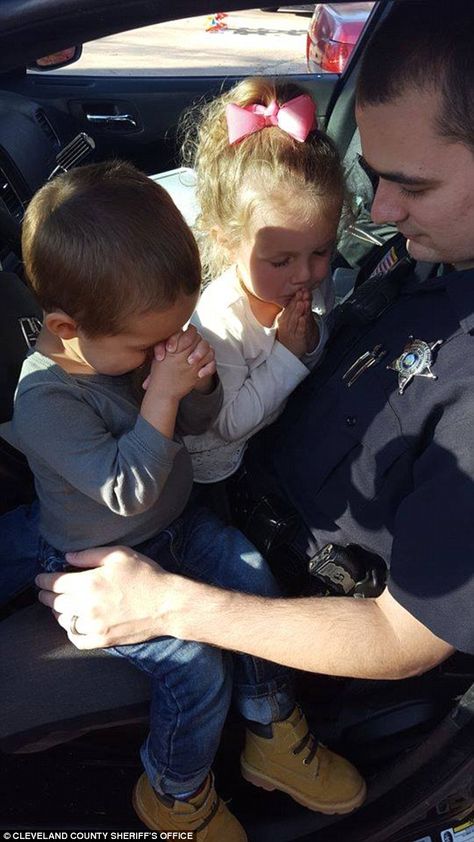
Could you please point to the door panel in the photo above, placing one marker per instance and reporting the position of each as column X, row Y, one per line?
column 154, row 104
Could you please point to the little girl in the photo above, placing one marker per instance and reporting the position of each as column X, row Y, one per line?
column 270, row 188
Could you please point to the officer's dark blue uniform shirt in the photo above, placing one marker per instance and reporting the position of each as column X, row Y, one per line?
column 394, row 472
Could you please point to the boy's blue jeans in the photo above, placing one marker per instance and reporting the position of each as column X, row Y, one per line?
column 192, row 683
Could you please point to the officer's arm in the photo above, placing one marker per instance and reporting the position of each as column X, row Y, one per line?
column 128, row 598
column 373, row 638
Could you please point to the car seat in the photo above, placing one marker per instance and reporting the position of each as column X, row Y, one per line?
column 39, row 668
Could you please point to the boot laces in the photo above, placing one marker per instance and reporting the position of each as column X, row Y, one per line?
column 311, row 744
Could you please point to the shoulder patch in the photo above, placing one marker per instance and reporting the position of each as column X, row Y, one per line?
column 388, row 262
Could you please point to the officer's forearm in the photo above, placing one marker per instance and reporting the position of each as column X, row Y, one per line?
column 125, row 598
column 337, row 636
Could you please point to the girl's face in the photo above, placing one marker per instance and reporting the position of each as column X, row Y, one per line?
column 282, row 253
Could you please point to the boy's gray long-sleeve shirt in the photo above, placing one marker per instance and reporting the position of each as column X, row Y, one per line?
column 103, row 474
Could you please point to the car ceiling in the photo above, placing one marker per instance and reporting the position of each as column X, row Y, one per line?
column 32, row 28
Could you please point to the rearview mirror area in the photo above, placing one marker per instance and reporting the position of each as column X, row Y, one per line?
column 55, row 60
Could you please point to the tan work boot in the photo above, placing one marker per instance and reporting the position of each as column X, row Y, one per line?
column 204, row 814
column 293, row 762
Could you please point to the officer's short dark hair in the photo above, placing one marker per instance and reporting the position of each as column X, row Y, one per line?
column 427, row 45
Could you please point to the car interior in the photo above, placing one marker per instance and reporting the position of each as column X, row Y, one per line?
column 72, row 721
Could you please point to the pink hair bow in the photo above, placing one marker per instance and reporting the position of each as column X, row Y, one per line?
column 296, row 117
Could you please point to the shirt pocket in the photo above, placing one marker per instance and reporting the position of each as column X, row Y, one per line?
column 360, row 442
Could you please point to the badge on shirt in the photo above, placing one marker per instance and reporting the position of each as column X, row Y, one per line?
column 415, row 361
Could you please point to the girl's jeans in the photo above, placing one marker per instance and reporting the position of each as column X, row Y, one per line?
column 192, row 683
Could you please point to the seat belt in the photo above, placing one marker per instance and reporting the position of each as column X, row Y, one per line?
column 375, row 290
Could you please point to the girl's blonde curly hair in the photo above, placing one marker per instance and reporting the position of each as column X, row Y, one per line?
column 264, row 168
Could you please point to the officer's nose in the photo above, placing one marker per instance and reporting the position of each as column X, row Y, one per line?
column 388, row 205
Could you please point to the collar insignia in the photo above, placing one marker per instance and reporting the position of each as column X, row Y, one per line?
column 415, row 361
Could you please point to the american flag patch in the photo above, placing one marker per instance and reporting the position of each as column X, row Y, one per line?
column 386, row 263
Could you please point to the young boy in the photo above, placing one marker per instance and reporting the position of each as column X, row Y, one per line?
column 117, row 273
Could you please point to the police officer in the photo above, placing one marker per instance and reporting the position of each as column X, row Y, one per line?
column 376, row 449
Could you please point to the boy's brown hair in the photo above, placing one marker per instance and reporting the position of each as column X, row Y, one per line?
column 104, row 242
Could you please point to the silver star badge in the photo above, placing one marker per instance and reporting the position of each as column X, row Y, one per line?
column 415, row 361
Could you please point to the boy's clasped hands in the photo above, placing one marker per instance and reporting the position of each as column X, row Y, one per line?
column 185, row 361
column 180, row 364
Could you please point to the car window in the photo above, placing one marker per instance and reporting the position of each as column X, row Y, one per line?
column 253, row 41
column 314, row 38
